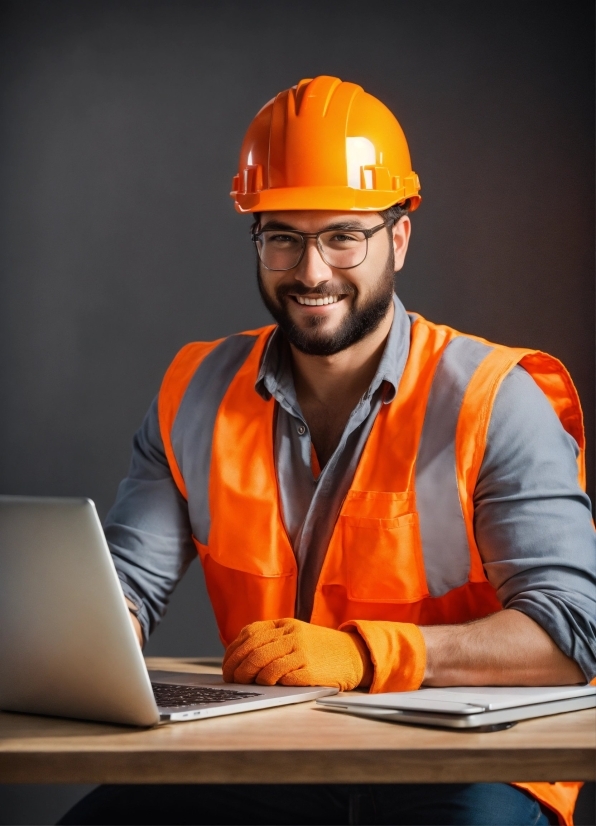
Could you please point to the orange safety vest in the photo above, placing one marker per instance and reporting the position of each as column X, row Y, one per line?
column 381, row 563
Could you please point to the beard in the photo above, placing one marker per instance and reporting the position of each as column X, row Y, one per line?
column 361, row 321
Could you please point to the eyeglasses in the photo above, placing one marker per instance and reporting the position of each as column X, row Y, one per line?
column 344, row 249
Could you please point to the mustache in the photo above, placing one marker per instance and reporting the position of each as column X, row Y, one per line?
column 324, row 290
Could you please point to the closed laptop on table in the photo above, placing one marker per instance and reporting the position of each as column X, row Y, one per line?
column 463, row 707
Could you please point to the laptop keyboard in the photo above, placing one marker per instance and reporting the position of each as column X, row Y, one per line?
column 178, row 696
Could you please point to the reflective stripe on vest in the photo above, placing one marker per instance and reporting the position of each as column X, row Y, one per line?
column 192, row 432
column 442, row 526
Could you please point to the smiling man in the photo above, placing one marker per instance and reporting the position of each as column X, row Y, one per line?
column 343, row 245
column 376, row 500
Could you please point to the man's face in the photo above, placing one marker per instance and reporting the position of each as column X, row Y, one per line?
column 360, row 297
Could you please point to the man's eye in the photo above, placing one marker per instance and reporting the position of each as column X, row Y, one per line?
column 279, row 239
column 342, row 239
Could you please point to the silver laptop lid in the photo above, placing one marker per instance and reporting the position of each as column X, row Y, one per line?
column 67, row 646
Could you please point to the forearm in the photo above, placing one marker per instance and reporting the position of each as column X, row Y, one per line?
column 507, row 648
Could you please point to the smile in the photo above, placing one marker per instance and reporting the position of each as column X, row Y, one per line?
column 317, row 302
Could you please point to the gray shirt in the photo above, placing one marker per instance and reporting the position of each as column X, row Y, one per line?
column 532, row 521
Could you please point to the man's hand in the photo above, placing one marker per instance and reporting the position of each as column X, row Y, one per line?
column 291, row 652
column 135, row 623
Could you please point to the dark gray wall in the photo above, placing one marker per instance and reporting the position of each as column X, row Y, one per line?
column 120, row 129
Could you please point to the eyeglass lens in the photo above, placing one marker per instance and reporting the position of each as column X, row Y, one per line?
column 281, row 250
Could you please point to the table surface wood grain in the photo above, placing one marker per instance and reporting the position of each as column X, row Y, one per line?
column 299, row 743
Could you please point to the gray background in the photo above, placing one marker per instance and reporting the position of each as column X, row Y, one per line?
column 120, row 129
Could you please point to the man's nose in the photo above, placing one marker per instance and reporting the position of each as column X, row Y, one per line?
column 312, row 270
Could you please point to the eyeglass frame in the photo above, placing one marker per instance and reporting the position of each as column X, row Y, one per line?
column 368, row 233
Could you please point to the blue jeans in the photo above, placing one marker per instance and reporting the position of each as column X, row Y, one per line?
column 443, row 804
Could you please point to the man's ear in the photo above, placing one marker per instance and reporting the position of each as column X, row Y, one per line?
column 401, row 238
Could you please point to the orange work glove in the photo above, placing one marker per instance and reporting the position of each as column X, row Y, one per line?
column 291, row 652
column 397, row 651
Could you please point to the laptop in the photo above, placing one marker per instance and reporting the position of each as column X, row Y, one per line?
column 489, row 708
column 67, row 645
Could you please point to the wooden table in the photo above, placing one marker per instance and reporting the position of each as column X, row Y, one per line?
column 299, row 743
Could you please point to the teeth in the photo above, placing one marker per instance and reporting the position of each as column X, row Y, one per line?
column 317, row 302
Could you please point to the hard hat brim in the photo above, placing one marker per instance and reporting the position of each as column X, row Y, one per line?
column 340, row 198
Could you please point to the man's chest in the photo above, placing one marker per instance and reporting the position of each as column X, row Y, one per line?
column 326, row 426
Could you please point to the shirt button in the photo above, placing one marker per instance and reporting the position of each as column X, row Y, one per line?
column 301, row 430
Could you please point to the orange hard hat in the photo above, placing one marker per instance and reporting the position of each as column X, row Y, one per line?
column 324, row 144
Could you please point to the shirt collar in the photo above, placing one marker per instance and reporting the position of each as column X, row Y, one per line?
column 275, row 373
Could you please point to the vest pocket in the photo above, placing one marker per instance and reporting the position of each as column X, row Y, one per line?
column 383, row 558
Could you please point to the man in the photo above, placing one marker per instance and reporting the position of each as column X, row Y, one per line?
column 376, row 500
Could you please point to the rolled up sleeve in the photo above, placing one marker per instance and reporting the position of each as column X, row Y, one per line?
column 533, row 522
